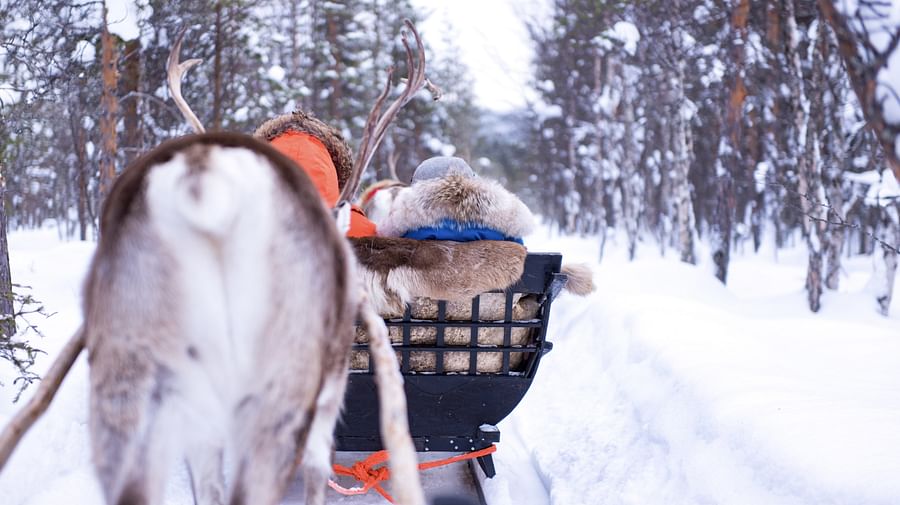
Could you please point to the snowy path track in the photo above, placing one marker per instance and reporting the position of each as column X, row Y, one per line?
column 455, row 480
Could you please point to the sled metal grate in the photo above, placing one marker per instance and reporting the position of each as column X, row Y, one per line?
column 537, row 286
column 456, row 410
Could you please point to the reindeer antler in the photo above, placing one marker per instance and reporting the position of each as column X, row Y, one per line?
column 175, row 71
column 377, row 123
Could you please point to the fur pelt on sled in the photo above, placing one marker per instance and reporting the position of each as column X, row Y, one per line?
column 398, row 270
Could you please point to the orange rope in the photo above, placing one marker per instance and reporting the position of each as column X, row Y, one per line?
column 364, row 471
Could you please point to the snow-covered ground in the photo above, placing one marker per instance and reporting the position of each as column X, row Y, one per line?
column 662, row 387
column 667, row 387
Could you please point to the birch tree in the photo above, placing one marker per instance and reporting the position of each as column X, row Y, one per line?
column 868, row 33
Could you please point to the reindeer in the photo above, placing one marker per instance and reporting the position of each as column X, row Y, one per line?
column 218, row 316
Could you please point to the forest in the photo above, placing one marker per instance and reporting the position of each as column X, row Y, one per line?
column 691, row 127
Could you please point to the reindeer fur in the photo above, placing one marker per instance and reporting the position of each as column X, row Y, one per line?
column 218, row 317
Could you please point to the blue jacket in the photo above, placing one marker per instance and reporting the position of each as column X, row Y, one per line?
column 449, row 229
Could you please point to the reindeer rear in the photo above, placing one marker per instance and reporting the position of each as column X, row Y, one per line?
column 218, row 316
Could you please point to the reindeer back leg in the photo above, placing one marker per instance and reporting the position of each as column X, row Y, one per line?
column 129, row 425
column 317, row 456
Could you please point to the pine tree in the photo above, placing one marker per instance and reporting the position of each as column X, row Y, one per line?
column 565, row 137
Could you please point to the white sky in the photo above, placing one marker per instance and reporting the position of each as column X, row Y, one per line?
column 494, row 41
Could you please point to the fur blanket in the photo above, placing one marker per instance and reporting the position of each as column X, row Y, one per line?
column 398, row 270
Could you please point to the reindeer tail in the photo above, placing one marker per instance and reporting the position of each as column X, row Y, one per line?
column 581, row 278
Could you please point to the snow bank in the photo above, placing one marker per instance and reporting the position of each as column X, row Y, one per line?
column 667, row 387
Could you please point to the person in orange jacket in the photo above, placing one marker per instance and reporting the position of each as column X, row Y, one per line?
column 322, row 153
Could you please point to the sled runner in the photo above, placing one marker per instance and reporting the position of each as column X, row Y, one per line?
column 465, row 366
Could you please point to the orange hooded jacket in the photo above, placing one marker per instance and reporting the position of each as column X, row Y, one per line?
column 310, row 154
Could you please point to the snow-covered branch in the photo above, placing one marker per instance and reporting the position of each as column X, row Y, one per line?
column 868, row 33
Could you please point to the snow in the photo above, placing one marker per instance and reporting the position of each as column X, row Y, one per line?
column 9, row 96
column 84, row 52
column 881, row 21
column 760, row 174
column 663, row 387
column 882, row 187
column 544, row 111
column 667, row 387
column 122, row 18
column 277, row 73
column 627, row 34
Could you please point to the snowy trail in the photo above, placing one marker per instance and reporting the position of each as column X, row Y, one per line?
column 666, row 387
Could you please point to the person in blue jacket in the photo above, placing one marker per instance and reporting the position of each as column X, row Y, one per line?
column 446, row 200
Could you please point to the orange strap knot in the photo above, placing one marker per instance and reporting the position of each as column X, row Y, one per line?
column 365, row 472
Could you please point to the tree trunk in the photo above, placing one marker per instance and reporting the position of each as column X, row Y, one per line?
column 109, row 106
column 334, row 99
column 683, row 151
column 7, row 321
column 631, row 180
column 835, row 240
column 665, row 197
column 217, row 70
column 602, row 141
column 294, row 81
column 81, row 174
column 776, row 153
column 758, row 219
column 885, row 259
column 131, row 80
column 730, row 146
column 807, row 152
column 832, row 143
column 721, row 226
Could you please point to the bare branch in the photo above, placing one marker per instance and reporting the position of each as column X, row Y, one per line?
column 863, row 73
column 835, row 218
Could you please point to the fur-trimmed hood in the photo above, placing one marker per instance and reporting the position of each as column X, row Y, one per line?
column 304, row 122
column 473, row 201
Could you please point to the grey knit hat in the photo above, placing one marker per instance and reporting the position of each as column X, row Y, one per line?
column 442, row 166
